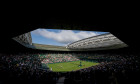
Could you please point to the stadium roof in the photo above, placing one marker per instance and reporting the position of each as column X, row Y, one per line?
column 122, row 26
column 99, row 42
column 91, row 37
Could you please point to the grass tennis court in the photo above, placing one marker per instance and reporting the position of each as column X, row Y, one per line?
column 69, row 66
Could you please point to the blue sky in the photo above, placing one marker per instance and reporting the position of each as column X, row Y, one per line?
column 60, row 37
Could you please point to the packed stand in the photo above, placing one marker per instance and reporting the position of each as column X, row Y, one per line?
column 55, row 58
column 24, row 68
column 122, row 71
column 113, row 69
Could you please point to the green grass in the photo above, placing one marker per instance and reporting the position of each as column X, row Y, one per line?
column 69, row 66
column 50, row 47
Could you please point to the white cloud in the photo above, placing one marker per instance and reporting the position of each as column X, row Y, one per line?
column 64, row 36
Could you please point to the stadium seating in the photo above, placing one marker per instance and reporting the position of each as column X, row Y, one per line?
column 54, row 58
column 25, row 68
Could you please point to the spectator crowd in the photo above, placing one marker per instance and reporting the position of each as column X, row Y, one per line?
column 54, row 58
column 25, row 68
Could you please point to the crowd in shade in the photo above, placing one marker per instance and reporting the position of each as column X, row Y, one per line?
column 24, row 68
column 124, row 71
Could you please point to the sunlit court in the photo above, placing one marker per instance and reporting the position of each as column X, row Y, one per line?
column 71, row 66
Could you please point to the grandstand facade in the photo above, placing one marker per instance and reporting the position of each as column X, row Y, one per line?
column 100, row 42
column 24, row 39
